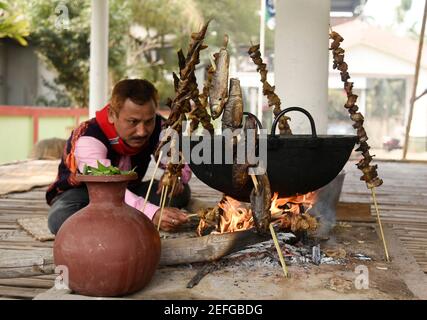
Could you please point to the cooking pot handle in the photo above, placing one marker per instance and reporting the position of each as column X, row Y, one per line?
column 257, row 120
column 276, row 120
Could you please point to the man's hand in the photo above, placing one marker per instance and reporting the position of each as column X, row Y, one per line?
column 172, row 218
column 179, row 188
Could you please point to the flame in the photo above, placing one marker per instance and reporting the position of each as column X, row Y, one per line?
column 288, row 212
column 291, row 212
column 291, row 204
column 234, row 217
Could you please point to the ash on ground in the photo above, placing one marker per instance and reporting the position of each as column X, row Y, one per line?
column 264, row 254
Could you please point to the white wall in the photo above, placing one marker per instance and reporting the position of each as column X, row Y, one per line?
column 362, row 59
column 365, row 61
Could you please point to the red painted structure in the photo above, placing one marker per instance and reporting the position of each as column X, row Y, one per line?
column 36, row 112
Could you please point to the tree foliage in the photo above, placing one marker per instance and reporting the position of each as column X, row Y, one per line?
column 12, row 24
column 144, row 36
column 67, row 49
column 385, row 98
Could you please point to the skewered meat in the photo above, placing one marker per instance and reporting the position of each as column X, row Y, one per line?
column 357, row 117
column 199, row 113
column 370, row 175
column 209, row 220
column 268, row 90
column 185, row 91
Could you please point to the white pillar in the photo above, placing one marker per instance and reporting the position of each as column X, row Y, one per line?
column 301, row 60
column 98, row 74
column 262, row 51
column 253, row 100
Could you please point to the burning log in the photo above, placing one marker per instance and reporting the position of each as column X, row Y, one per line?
column 268, row 90
column 291, row 213
column 206, row 269
column 207, row 248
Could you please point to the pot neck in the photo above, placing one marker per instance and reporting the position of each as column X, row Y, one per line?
column 107, row 192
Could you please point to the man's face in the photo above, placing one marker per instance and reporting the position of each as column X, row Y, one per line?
column 134, row 123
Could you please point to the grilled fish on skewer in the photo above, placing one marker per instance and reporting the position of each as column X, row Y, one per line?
column 240, row 170
column 261, row 203
column 233, row 109
column 219, row 86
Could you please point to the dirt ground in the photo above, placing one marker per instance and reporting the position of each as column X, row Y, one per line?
column 351, row 244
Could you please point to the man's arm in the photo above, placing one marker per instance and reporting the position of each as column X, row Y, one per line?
column 89, row 150
column 186, row 174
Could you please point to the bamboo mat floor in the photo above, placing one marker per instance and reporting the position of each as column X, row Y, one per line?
column 402, row 201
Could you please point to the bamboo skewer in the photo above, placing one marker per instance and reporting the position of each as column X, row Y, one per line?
column 279, row 251
column 163, row 197
column 161, row 211
column 151, row 181
column 171, row 193
column 255, row 181
column 380, row 224
column 273, row 235
column 192, row 215
column 174, row 185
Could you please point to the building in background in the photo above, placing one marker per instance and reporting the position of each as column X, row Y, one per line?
column 381, row 65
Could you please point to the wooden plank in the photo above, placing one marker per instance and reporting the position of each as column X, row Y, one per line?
column 360, row 212
column 46, row 276
column 22, row 247
column 16, row 292
column 35, row 243
column 17, row 263
column 27, row 271
column 27, row 283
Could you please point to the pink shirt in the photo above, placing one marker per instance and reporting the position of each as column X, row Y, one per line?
column 89, row 149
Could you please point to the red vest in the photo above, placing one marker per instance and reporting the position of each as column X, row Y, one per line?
column 67, row 168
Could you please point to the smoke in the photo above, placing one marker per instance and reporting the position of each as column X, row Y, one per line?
column 324, row 209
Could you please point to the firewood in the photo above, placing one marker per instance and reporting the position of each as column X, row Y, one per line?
column 207, row 248
column 205, row 270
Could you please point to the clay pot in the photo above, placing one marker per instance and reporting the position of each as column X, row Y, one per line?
column 110, row 248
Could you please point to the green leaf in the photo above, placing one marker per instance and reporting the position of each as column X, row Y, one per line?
column 102, row 170
column 101, row 166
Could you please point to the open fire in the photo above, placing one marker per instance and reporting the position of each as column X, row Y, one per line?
column 230, row 215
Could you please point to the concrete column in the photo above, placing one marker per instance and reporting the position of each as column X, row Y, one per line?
column 301, row 60
column 98, row 75
column 253, row 100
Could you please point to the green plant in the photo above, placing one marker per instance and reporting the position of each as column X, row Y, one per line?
column 104, row 170
column 12, row 24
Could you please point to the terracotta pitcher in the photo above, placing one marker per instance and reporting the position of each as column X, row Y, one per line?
column 109, row 248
